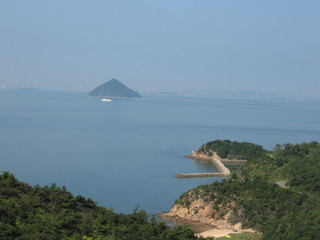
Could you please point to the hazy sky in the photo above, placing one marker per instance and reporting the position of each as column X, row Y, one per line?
column 164, row 45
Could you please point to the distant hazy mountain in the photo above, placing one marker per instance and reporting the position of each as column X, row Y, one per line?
column 114, row 89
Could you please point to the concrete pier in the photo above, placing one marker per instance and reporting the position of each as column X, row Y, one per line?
column 196, row 175
column 215, row 159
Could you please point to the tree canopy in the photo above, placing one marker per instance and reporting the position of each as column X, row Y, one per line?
column 233, row 149
column 52, row 213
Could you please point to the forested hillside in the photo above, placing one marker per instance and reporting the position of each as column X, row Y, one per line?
column 232, row 149
column 53, row 213
column 277, row 193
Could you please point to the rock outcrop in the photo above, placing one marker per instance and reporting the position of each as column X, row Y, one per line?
column 201, row 211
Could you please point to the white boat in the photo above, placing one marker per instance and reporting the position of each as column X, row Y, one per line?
column 106, row 100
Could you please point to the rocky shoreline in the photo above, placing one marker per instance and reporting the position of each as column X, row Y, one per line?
column 207, row 228
column 203, row 219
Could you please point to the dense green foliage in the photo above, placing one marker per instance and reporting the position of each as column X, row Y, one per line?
column 258, row 202
column 233, row 149
column 53, row 213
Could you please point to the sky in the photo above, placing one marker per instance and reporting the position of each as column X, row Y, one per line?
column 165, row 45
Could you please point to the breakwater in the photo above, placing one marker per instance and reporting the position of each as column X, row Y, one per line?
column 215, row 159
column 196, row 175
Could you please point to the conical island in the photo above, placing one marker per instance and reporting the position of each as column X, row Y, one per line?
column 114, row 89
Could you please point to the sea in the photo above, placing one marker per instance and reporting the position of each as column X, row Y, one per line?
column 124, row 154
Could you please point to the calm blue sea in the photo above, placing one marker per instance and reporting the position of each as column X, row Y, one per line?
column 125, row 153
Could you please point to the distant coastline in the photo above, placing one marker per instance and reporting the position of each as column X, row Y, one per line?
column 114, row 97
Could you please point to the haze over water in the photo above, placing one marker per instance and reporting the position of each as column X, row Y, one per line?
column 125, row 153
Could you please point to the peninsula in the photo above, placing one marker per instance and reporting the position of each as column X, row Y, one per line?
column 221, row 152
column 114, row 89
column 273, row 188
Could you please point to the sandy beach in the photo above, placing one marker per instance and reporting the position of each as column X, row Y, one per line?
column 216, row 233
column 201, row 229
